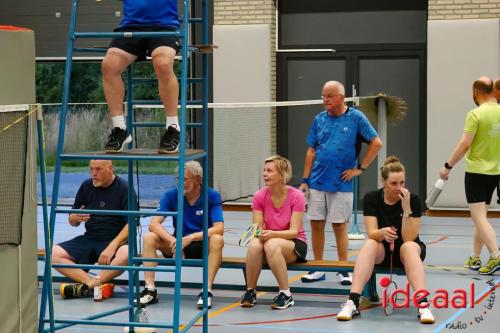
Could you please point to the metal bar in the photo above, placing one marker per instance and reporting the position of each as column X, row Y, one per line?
column 170, row 261
column 113, row 323
column 46, row 290
column 158, row 102
column 128, row 34
column 90, row 49
column 115, row 268
column 116, row 212
column 194, row 320
column 130, row 157
column 158, row 124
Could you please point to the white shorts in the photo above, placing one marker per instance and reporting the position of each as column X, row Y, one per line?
column 333, row 207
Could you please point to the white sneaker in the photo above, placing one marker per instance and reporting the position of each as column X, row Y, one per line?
column 347, row 311
column 425, row 315
column 200, row 300
column 345, row 278
column 313, row 277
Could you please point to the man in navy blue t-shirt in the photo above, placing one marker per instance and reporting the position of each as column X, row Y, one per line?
column 329, row 168
column 192, row 231
column 105, row 235
column 143, row 16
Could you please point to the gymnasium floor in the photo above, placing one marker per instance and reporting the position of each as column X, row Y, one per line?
column 448, row 244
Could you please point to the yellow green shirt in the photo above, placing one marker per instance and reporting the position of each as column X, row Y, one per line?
column 484, row 153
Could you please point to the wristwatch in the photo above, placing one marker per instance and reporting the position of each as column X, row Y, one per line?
column 447, row 166
column 410, row 214
column 359, row 167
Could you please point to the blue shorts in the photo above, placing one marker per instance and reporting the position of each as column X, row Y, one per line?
column 84, row 249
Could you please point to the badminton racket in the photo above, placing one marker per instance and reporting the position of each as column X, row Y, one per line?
column 391, row 285
column 249, row 234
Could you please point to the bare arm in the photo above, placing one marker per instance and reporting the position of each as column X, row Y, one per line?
column 410, row 228
column 371, row 152
column 373, row 232
column 217, row 228
column 310, row 155
column 109, row 252
column 296, row 221
column 76, row 219
column 459, row 152
column 156, row 227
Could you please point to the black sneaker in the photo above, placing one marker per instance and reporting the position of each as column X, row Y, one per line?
column 199, row 303
column 169, row 143
column 249, row 298
column 74, row 290
column 282, row 301
column 148, row 297
column 117, row 140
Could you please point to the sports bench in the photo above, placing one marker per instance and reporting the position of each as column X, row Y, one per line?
column 311, row 265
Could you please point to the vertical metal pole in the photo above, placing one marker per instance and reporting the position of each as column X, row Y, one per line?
column 382, row 130
column 47, row 281
column 132, row 239
column 205, row 17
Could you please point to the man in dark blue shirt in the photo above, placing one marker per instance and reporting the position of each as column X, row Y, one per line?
column 143, row 16
column 192, row 231
column 105, row 235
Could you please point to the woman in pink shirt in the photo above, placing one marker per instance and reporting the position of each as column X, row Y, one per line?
column 278, row 210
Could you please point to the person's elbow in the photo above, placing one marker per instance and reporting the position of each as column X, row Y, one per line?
column 376, row 143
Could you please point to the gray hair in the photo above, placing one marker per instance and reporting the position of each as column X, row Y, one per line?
column 194, row 168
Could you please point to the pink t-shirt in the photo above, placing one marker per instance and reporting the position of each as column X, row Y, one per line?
column 279, row 218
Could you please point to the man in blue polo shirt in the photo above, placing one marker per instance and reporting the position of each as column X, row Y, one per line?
column 143, row 16
column 192, row 231
column 330, row 165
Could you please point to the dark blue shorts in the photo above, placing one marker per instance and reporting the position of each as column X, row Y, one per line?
column 85, row 250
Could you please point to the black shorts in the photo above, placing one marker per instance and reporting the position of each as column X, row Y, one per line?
column 193, row 251
column 143, row 47
column 300, row 250
column 84, row 250
column 480, row 188
column 396, row 258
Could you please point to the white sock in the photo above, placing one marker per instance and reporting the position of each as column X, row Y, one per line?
column 286, row 292
column 119, row 121
column 172, row 121
column 151, row 287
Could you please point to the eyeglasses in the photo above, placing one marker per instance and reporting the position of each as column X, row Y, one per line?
column 185, row 178
column 330, row 96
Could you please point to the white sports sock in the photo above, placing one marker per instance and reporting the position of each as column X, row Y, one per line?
column 151, row 287
column 172, row 121
column 286, row 292
column 119, row 121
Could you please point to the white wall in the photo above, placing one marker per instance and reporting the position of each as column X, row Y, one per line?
column 242, row 137
column 459, row 51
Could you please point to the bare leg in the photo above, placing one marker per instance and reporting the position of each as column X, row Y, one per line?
column 216, row 243
column 60, row 256
column 151, row 243
column 318, row 238
column 255, row 259
column 120, row 259
column 484, row 229
column 371, row 253
column 112, row 67
column 477, row 243
column 168, row 86
column 340, row 230
column 414, row 268
column 279, row 252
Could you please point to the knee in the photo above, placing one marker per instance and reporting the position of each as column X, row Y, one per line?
column 255, row 247
column 340, row 228
column 271, row 248
column 408, row 249
column 122, row 254
column 57, row 254
column 216, row 242
column 150, row 240
column 163, row 66
column 110, row 67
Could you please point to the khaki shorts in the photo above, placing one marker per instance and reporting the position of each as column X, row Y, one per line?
column 333, row 207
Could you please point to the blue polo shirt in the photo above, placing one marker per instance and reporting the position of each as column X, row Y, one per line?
column 150, row 13
column 336, row 141
column 193, row 215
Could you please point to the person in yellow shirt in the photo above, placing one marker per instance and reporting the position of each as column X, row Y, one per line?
column 480, row 144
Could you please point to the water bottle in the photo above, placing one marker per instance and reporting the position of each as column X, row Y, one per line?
column 435, row 192
column 97, row 289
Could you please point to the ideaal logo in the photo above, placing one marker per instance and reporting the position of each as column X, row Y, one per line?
column 460, row 299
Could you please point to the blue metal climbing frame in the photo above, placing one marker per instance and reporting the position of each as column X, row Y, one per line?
column 51, row 323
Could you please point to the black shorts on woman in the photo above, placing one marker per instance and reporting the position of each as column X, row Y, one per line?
column 392, row 215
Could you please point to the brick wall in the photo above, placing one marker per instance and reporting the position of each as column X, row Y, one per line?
column 463, row 9
column 238, row 12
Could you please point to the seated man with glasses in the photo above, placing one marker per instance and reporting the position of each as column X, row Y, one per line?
column 192, row 231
